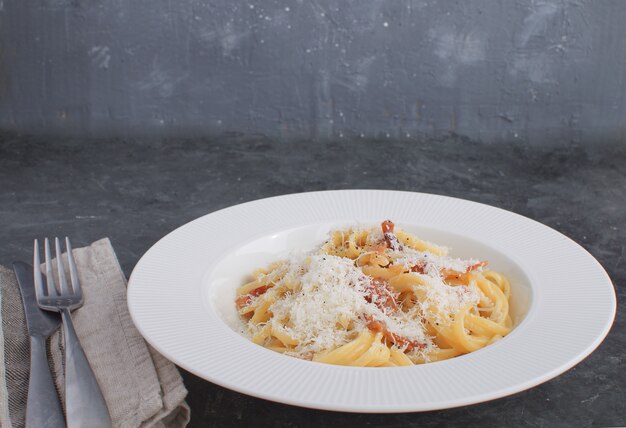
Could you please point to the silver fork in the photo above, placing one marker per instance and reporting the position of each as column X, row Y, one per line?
column 84, row 403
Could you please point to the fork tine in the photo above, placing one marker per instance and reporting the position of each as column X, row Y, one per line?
column 39, row 289
column 73, row 271
column 52, row 291
column 62, row 280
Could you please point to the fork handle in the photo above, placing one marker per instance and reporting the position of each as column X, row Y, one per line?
column 43, row 408
column 84, row 403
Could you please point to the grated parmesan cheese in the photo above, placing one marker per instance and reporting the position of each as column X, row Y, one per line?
column 446, row 299
column 432, row 263
column 332, row 300
column 333, row 291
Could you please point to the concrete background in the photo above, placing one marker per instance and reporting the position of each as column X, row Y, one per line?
column 488, row 70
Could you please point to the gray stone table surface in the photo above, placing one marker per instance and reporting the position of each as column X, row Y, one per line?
column 136, row 191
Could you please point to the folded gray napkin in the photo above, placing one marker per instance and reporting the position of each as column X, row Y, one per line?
column 141, row 387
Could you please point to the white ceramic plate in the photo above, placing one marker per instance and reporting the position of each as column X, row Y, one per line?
column 182, row 290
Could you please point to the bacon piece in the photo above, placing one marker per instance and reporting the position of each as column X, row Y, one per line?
column 246, row 299
column 387, row 226
column 419, row 266
column 448, row 273
column 243, row 301
column 390, row 238
column 396, row 339
column 260, row 290
column 476, row 266
column 379, row 292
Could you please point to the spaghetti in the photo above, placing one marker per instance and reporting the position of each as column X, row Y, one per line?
column 375, row 297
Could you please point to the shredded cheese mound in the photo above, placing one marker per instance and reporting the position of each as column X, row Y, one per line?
column 446, row 299
column 333, row 292
column 322, row 301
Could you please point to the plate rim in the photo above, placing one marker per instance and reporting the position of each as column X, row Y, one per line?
column 368, row 408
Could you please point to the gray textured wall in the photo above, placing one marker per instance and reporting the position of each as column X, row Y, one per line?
column 491, row 70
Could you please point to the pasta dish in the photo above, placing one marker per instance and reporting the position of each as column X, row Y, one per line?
column 375, row 297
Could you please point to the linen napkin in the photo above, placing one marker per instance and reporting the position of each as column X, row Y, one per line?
column 140, row 386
